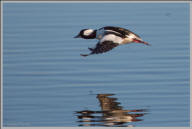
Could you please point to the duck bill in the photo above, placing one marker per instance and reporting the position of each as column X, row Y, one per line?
column 78, row 36
column 140, row 41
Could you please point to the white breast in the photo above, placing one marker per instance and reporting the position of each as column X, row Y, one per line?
column 113, row 38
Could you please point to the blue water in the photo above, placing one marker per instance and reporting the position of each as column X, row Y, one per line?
column 47, row 83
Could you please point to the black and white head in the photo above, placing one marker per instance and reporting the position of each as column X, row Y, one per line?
column 86, row 34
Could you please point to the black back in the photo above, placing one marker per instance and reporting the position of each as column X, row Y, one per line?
column 119, row 30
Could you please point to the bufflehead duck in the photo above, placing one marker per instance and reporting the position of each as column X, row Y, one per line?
column 109, row 37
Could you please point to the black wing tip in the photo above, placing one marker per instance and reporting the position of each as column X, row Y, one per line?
column 101, row 48
column 84, row 55
column 91, row 49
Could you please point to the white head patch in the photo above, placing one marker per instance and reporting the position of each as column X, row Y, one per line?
column 88, row 32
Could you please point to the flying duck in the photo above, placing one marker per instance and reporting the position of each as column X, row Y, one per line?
column 109, row 37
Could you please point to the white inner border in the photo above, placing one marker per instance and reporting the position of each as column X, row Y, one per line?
column 190, row 2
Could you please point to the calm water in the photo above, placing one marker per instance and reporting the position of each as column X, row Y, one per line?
column 47, row 83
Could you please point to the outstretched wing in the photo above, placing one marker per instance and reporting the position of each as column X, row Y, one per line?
column 102, row 47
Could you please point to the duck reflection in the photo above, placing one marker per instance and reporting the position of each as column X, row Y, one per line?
column 111, row 114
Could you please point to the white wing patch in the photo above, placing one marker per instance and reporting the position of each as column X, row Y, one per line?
column 88, row 32
column 101, row 33
column 113, row 38
column 114, row 31
column 132, row 36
